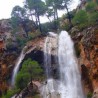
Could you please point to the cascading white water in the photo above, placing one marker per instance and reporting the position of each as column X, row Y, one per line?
column 47, row 57
column 16, row 69
column 69, row 72
column 49, row 89
column 69, row 84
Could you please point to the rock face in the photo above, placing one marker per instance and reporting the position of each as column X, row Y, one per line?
column 95, row 94
column 5, row 32
column 88, row 57
column 10, row 50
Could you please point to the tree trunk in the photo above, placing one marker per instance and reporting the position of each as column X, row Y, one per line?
column 32, row 19
column 56, row 15
column 39, row 24
column 36, row 20
column 57, row 19
column 31, row 79
column 69, row 18
column 48, row 18
column 55, row 24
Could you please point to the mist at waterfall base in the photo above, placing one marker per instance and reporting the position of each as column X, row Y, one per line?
column 69, row 84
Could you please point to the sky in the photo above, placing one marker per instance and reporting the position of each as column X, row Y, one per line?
column 6, row 7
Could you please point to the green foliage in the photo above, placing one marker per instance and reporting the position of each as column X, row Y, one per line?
column 89, row 0
column 91, row 7
column 47, row 27
column 36, row 8
column 65, row 26
column 56, row 4
column 15, row 24
column 71, row 13
column 30, row 69
column 85, row 18
column 89, row 95
column 36, row 5
column 93, row 18
column 37, row 96
column 18, row 14
column 22, row 79
column 10, row 93
column 81, row 19
column 21, row 41
column 34, row 34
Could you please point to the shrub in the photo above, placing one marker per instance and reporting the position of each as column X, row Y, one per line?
column 21, row 80
column 81, row 19
column 65, row 26
column 48, row 26
column 10, row 93
column 89, row 95
column 93, row 18
column 89, row 0
column 30, row 70
column 21, row 41
column 91, row 7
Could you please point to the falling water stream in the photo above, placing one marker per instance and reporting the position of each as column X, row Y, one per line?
column 70, row 77
column 49, row 89
column 17, row 66
column 69, row 84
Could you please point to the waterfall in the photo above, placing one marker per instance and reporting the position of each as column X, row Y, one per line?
column 49, row 89
column 69, row 83
column 69, row 72
column 17, row 65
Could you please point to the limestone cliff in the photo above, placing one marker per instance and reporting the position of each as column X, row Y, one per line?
column 87, row 48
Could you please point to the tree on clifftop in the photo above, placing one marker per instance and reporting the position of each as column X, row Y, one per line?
column 65, row 5
column 36, row 8
column 18, row 15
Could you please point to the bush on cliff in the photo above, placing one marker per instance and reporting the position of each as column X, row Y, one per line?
column 81, row 19
column 30, row 70
column 91, row 7
column 93, row 18
column 10, row 93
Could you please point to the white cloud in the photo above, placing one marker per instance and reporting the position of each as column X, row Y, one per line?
column 6, row 7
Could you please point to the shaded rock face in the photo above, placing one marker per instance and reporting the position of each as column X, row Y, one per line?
column 6, row 65
column 5, row 33
column 95, row 94
column 36, row 55
column 2, row 45
column 88, row 58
